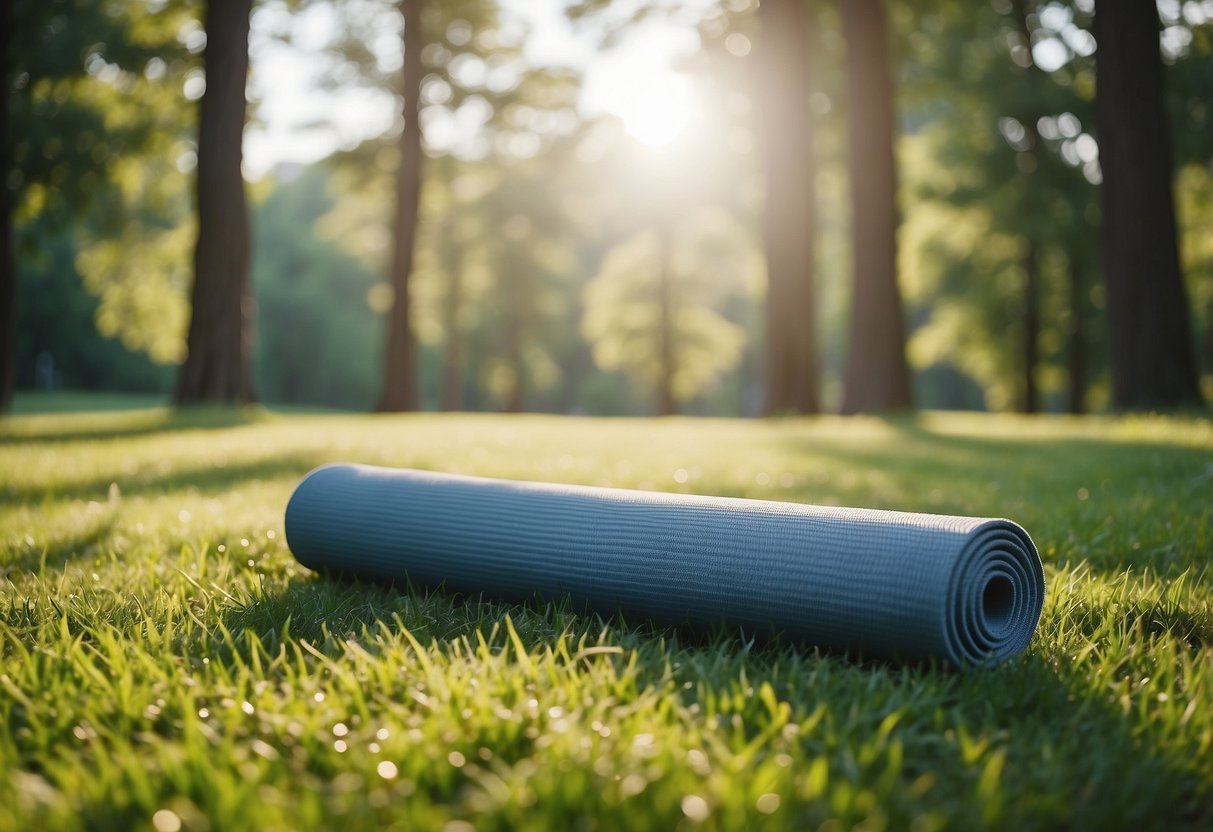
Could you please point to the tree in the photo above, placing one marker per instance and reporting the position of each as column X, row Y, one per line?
column 652, row 312
column 399, row 391
column 1151, row 350
column 791, row 371
column 318, row 331
column 219, row 343
column 876, row 378
column 69, row 71
column 8, row 268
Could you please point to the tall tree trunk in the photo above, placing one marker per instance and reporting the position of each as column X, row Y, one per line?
column 1150, row 333
column 667, row 403
column 220, row 335
column 399, row 391
column 513, row 399
column 789, row 222
column 516, row 299
column 450, row 391
column 1030, row 209
column 1077, row 339
column 876, row 378
column 1030, row 403
column 1207, row 361
column 8, row 265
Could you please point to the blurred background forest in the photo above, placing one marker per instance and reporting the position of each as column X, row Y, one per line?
column 652, row 206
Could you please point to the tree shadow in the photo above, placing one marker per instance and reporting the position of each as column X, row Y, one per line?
column 1048, row 717
column 1110, row 504
column 63, row 550
column 63, row 429
column 205, row 479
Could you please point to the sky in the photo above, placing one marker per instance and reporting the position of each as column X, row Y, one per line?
column 297, row 121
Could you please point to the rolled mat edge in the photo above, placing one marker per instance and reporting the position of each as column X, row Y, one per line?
column 893, row 584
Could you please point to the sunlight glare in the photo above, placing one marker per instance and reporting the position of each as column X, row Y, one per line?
column 660, row 111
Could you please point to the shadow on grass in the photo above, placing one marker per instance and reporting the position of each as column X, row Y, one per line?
column 62, row 551
column 1114, row 505
column 1081, row 760
column 65, row 428
column 1059, row 737
column 204, row 479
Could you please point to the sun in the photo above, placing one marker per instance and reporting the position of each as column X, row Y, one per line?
column 660, row 110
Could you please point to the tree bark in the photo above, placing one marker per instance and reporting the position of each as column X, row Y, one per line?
column 789, row 222
column 1150, row 334
column 1030, row 208
column 876, row 378
column 399, row 391
column 1030, row 403
column 667, row 403
column 450, row 389
column 1077, row 339
column 219, row 342
column 512, row 401
column 8, row 266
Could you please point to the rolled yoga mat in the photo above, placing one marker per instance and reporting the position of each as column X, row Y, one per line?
column 967, row 590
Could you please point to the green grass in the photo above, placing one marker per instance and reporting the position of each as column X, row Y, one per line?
column 165, row 662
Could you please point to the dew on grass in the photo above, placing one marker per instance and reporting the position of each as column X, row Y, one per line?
column 456, row 759
column 387, row 769
column 340, row 729
column 340, row 746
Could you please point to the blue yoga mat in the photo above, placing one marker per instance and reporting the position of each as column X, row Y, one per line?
column 963, row 589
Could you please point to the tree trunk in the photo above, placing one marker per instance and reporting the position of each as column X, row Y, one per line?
column 876, row 378
column 220, row 335
column 789, row 222
column 667, row 404
column 513, row 398
column 1077, row 338
column 1030, row 209
column 1150, row 334
column 8, row 265
column 1030, row 403
column 450, row 391
column 399, row 391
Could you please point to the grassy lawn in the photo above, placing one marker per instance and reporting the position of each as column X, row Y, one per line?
column 166, row 664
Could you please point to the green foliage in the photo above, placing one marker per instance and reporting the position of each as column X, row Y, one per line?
column 57, row 326
column 701, row 262
column 521, row 214
column 99, row 124
column 162, row 652
column 318, row 339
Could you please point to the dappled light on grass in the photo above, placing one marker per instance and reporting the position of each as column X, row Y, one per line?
column 169, row 655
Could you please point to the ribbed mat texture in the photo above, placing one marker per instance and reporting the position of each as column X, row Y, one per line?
column 967, row 590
